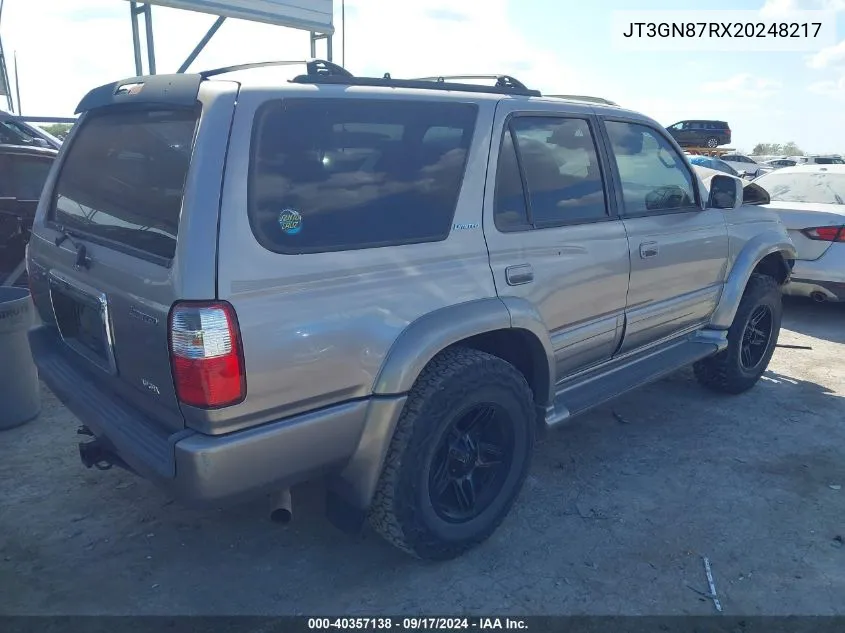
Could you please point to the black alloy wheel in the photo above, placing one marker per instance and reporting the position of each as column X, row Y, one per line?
column 756, row 338
column 471, row 463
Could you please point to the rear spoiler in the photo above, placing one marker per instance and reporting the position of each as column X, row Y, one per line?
column 169, row 90
column 182, row 89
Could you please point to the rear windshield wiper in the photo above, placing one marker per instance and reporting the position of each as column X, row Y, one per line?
column 133, row 231
column 65, row 235
column 82, row 259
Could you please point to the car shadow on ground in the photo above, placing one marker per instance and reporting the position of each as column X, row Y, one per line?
column 820, row 320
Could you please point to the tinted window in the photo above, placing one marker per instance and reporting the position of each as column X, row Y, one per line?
column 28, row 176
column 561, row 167
column 13, row 134
column 6, row 178
column 654, row 176
column 510, row 210
column 829, row 161
column 124, row 176
column 723, row 166
column 808, row 186
column 332, row 174
column 713, row 163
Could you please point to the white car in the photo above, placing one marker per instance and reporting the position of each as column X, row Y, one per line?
column 818, row 160
column 810, row 200
column 746, row 165
column 777, row 163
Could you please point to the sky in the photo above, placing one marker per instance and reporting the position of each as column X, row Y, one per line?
column 65, row 47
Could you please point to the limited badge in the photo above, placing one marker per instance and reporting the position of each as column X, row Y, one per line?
column 290, row 221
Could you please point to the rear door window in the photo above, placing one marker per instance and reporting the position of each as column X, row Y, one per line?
column 562, row 174
column 123, row 179
column 346, row 174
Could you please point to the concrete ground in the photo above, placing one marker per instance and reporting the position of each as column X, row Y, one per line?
column 614, row 519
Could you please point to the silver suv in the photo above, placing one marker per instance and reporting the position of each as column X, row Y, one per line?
column 392, row 285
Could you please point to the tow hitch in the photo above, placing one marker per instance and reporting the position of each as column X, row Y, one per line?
column 98, row 454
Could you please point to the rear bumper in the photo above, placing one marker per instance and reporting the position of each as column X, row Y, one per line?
column 823, row 276
column 191, row 465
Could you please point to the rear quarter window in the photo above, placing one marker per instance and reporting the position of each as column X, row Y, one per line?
column 346, row 174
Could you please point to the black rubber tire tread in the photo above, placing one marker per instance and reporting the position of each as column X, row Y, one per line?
column 447, row 383
column 723, row 372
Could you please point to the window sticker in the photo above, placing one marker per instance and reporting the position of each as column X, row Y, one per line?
column 290, row 221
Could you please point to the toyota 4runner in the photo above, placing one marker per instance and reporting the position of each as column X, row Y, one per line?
column 392, row 285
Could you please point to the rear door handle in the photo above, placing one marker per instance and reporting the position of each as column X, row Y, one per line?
column 520, row 274
column 649, row 249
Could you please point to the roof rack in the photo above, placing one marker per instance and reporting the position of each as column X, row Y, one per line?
column 504, row 83
column 586, row 98
column 315, row 68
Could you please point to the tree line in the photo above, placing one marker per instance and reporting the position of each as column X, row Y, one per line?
column 59, row 130
column 777, row 149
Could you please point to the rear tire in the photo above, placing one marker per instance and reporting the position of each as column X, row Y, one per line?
column 448, row 449
column 752, row 338
column 712, row 142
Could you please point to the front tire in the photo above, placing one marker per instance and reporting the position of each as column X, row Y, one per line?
column 458, row 458
column 752, row 339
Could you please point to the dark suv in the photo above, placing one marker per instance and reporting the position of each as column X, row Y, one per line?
column 701, row 133
column 23, row 171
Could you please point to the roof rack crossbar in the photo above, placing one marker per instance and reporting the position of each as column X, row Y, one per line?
column 315, row 68
column 419, row 84
column 502, row 81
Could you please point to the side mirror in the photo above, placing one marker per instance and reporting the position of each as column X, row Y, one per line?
column 752, row 193
column 725, row 192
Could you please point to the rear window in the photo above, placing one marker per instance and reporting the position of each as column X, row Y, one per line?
column 124, row 176
column 344, row 174
column 808, row 186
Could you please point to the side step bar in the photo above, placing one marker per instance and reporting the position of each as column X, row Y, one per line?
column 618, row 376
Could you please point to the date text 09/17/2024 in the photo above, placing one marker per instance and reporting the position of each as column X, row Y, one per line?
column 417, row 623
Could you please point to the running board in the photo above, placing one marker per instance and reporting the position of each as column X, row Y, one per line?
column 610, row 380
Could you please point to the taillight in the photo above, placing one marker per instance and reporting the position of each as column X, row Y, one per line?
column 206, row 355
column 826, row 233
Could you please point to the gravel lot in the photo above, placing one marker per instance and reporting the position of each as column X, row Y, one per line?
column 614, row 519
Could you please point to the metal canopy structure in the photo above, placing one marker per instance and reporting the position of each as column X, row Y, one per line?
column 314, row 16
column 5, row 88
